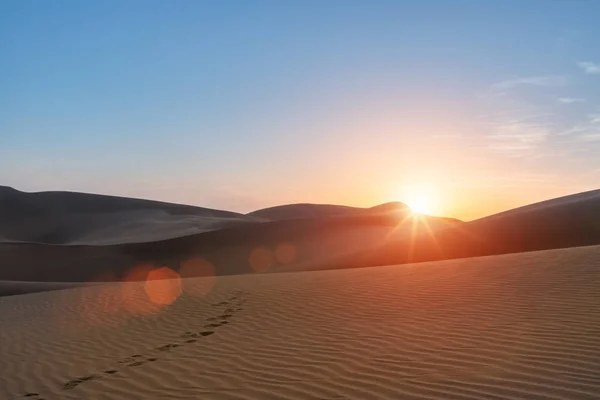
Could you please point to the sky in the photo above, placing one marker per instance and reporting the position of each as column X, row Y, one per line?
column 241, row 105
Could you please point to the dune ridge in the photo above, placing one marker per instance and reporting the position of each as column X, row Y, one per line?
column 319, row 236
column 518, row 326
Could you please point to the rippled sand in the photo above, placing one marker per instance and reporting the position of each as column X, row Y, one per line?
column 520, row 326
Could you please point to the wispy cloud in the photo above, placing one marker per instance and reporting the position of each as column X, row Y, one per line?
column 589, row 67
column 594, row 118
column 588, row 131
column 517, row 138
column 570, row 100
column 574, row 130
column 543, row 80
column 589, row 137
column 514, row 127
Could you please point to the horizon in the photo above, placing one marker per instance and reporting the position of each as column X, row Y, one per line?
column 240, row 107
column 317, row 204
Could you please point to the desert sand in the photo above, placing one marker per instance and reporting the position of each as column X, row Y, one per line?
column 516, row 326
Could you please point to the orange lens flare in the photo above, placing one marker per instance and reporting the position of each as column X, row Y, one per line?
column 285, row 253
column 194, row 268
column 163, row 286
column 134, row 297
column 261, row 259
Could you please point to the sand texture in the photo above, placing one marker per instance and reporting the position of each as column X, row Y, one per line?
column 517, row 326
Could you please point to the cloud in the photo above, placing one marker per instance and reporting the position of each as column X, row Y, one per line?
column 594, row 118
column 517, row 138
column 570, row 100
column 543, row 80
column 588, row 131
column 589, row 67
column 589, row 137
column 573, row 130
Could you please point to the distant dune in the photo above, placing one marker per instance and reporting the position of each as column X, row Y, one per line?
column 71, row 218
column 515, row 327
column 298, row 211
column 75, row 237
column 559, row 223
column 81, row 218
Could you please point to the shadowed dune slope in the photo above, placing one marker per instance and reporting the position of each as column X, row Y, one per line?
column 369, row 237
column 312, row 243
column 81, row 218
column 71, row 218
column 565, row 222
column 509, row 327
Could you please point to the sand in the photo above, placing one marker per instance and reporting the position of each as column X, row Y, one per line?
column 519, row 326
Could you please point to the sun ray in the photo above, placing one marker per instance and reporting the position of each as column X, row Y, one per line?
column 398, row 226
column 413, row 234
column 433, row 237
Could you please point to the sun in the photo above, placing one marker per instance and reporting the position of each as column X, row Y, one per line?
column 421, row 200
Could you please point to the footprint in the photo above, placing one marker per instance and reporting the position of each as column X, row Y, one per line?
column 233, row 305
column 135, row 364
column 76, row 382
column 138, row 363
column 168, row 347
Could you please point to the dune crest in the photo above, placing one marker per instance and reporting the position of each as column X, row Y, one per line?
column 94, row 238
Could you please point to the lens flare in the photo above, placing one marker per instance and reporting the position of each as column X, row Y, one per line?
column 133, row 294
column 261, row 259
column 194, row 268
column 285, row 253
column 163, row 286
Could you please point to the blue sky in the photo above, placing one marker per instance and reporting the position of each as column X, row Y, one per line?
column 241, row 105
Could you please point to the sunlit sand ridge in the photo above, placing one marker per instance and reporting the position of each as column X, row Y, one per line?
column 520, row 326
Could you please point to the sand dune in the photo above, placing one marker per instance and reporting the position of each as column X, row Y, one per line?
column 106, row 246
column 70, row 218
column 297, row 211
column 559, row 223
column 91, row 238
column 519, row 326
column 81, row 218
